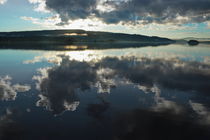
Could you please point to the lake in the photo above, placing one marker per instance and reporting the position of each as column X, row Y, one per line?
column 160, row 92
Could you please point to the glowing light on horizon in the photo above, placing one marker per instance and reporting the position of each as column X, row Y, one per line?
column 75, row 34
column 74, row 47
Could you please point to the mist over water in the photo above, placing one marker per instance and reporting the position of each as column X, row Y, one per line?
column 148, row 93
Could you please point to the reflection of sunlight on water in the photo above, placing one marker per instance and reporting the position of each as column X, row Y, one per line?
column 89, row 55
column 74, row 47
column 55, row 57
column 86, row 55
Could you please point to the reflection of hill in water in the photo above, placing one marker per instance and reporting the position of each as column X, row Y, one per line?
column 81, row 46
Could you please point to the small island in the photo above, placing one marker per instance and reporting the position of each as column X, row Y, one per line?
column 193, row 42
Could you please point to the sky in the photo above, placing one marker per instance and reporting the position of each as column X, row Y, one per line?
column 165, row 18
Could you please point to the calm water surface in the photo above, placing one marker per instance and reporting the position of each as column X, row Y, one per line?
column 121, row 94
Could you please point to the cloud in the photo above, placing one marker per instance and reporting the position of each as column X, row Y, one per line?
column 3, row 1
column 29, row 19
column 47, row 22
column 40, row 5
column 72, row 9
column 159, row 11
column 132, row 12
column 56, row 23
column 9, row 91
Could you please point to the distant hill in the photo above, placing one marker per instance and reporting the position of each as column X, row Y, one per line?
column 74, row 37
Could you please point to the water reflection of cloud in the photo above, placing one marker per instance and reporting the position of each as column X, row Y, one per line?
column 165, row 120
column 96, row 110
column 161, row 104
column 202, row 111
column 162, row 124
column 106, row 80
column 43, row 73
column 9, row 91
column 55, row 57
column 58, row 89
column 58, row 85
column 49, row 57
column 10, row 129
column 171, row 74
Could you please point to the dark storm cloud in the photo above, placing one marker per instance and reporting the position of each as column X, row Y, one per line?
column 72, row 9
column 133, row 11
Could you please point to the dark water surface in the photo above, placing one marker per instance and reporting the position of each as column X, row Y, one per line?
column 121, row 94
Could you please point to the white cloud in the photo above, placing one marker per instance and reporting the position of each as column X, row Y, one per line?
column 53, row 22
column 48, row 22
column 34, row 20
column 39, row 5
column 3, row 1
